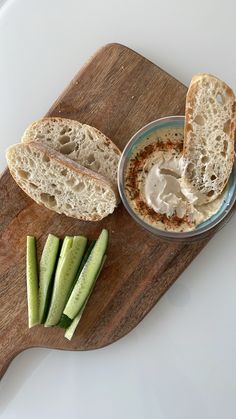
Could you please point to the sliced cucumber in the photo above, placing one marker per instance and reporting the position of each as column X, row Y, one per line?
column 65, row 274
column 66, row 245
column 66, row 321
column 72, row 327
column 32, row 281
column 84, row 260
column 87, row 277
column 46, row 269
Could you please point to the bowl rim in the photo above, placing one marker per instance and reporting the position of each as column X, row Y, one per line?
column 156, row 231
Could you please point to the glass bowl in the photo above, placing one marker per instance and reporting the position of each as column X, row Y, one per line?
column 215, row 222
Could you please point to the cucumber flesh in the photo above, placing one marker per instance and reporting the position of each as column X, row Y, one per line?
column 66, row 245
column 66, row 321
column 84, row 260
column 65, row 274
column 87, row 277
column 46, row 270
column 32, row 281
column 72, row 327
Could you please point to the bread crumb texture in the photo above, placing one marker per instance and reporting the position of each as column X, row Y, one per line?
column 80, row 142
column 209, row 135
column 57, row 186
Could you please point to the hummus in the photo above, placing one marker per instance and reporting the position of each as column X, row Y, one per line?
column 155, row 188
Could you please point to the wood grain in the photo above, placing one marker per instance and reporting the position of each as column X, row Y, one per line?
column 118, row 91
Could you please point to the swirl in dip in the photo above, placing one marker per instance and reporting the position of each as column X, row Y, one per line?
column 154, row 186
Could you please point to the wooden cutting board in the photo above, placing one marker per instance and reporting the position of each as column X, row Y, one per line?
column 118, row 91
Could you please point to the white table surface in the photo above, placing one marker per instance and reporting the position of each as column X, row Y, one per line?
column 180, row 361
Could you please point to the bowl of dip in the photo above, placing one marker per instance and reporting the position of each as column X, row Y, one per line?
column 152, row 188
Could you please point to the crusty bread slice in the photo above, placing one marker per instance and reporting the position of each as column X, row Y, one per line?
column 80, row 142
column 210, row 121
column 62, row 185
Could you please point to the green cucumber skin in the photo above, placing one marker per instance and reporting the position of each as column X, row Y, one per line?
column 71, row 328
column 87, row 277
column 64, row 278
column 47, row 268
column 32, row 282
column 65, row 321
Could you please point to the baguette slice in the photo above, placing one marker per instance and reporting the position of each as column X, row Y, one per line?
column 210, row 121
column 81, row 143
column 60, row 184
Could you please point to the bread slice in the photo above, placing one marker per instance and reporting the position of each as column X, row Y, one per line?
column 60, row 184
column 210, row 120
column 81, row 143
